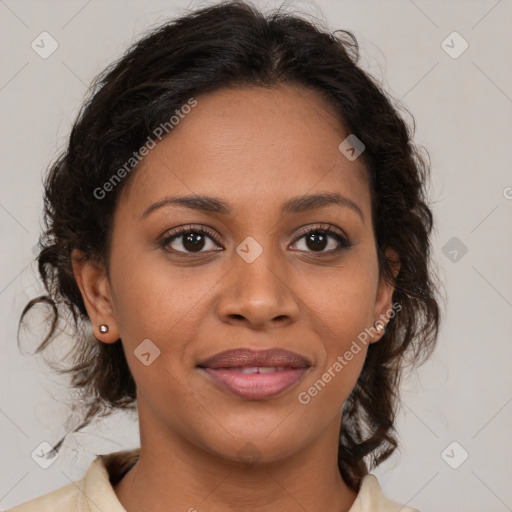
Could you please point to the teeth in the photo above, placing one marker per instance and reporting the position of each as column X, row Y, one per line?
column 263, row 369
column 271, row 369
column 249, row 370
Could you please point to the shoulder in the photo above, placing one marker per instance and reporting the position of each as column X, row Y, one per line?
column 371, row 499
column 65, row 498
column 94, row 490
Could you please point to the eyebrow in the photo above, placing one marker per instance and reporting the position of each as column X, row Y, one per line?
column 295, row 205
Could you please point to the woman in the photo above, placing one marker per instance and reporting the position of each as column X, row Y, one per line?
column 239, row 231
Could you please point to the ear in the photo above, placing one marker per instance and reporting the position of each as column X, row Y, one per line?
column 92, row 280
column 384, row 299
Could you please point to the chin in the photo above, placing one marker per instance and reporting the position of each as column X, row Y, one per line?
column 253, row 447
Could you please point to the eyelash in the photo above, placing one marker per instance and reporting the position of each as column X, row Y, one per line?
column 344, row 242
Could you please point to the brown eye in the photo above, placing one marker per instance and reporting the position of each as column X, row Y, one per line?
column 188, row 240
column 193, row 242
column 317, row 241
column 323, row 240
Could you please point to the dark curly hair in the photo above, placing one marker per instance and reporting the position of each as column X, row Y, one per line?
column 233, row 44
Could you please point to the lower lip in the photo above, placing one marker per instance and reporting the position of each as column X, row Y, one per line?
column 255, row 386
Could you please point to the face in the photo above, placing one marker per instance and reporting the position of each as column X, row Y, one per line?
column 261, row 265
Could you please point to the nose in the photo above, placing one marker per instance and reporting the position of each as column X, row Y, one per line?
column 258, row 294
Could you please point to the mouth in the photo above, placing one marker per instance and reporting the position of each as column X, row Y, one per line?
column 255, row 375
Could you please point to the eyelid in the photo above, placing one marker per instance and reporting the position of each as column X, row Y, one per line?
column 329, row 229
column 342, row 238
column 174, row 233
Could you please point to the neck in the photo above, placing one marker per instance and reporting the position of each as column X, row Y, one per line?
column 173, row 474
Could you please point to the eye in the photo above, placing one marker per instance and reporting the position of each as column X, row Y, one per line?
column 190, row 240
column 319, row 238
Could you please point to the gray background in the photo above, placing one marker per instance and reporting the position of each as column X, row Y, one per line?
column 462, row 107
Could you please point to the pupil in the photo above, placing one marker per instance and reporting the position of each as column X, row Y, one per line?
column 190, row 244
column 317, row 238
column 195, row 241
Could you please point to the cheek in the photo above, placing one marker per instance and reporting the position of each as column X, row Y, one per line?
column 162, row 303
column 151, row 296
column 341, row 325
column 343, row 304
column 155, row 304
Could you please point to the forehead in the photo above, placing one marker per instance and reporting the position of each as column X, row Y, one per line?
column 250, row 145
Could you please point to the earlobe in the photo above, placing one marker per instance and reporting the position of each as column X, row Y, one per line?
column 383, row 310
column 92, row 280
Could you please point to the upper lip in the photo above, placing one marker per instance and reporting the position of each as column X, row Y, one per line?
column 275, row 357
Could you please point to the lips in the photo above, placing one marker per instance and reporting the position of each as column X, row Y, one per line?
column 277, row 358
column 255, row 375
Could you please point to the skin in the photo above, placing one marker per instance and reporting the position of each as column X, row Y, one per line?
column 253, row 148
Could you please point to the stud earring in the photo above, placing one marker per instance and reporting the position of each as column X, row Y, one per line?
column 379, row 327
column 103, row 328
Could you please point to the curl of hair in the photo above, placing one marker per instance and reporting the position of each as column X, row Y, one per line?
column 232, row 44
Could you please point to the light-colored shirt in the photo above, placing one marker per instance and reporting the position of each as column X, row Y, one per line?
column 95, row 491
